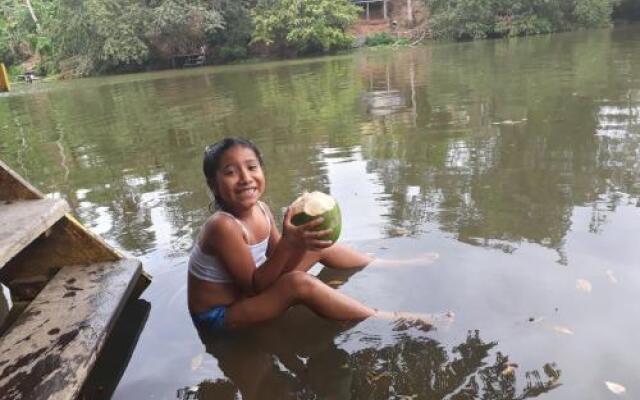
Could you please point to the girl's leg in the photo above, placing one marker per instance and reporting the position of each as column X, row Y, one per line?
column 292, row 288
column 337, row 256
column 299, row 287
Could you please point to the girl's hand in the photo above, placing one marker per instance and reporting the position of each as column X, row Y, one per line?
column 304, row 236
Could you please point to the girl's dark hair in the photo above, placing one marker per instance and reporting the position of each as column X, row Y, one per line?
column 211, row 162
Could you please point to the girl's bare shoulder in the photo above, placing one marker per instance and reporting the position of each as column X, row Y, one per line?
column 219, row 224
column 267, row 210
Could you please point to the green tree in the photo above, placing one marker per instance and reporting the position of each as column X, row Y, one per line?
column 231, row 42
column 180, row 26
column 478, row 19
column 594, row 13
column 94, row 36
column 304, row 26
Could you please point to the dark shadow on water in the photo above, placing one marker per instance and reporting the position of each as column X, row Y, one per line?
column 300, row 356
column 117, row 351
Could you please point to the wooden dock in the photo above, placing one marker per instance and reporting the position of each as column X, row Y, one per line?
column 67, row 288
column 188, row 60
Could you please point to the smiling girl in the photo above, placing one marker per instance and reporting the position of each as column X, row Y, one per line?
column 242, row 271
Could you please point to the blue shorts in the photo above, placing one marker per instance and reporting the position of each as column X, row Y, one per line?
column 211, row 320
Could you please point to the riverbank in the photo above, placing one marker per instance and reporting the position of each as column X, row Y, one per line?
column 145, row 37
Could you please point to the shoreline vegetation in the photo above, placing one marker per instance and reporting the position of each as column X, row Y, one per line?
column 61, row 39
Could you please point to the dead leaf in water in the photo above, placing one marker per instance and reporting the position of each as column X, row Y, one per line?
column 399, row 231
column 583, row 285
column 509, row 122
column 372, row 377
column 196, row 362
column 562, row 329
column 616, row 388
column 510, row 370
column 612, row 277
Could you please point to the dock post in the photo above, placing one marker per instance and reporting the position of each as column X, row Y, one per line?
column 4, row 79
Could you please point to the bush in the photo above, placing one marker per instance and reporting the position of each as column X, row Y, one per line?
column 593, row 13
column 231, row 53
column 304, row 26
column 477, row 19
column 379, row 39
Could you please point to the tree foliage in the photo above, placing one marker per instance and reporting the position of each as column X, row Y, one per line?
column 231, row 42
column 85, row 37
column 19, row 36
column 477, row 19
column 178, row 26
column 304, row 25
column 93, row 36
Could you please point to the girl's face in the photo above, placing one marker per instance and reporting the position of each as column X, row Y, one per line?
column 239, row 180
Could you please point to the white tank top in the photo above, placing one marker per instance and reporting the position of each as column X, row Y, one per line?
column 209, row 268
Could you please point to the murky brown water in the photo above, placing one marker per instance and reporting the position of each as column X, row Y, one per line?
column 517, row 161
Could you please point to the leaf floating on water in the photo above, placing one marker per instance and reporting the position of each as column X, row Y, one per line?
column 509, row 122
column 196, row 362
column 616, row 388
column 612, row 277
column 372, row 377
column 583, row 285
column 510, row 370
column 563, row 329
column 399, row 231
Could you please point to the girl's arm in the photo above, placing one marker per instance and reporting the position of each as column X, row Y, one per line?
column 287, row 250
column 224, row 238
column 274, row 240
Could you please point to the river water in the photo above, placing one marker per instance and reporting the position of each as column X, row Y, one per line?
column 516, row 161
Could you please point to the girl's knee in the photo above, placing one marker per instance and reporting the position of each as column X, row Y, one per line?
column 299, row 283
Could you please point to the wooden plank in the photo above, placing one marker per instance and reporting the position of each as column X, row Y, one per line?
column 69, row 243
column 14, row 313
column 50, row 349
column 21, row 222
column 117, row 351
column 13, row 187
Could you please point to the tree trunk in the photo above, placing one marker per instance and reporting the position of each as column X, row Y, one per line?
column 33, row 14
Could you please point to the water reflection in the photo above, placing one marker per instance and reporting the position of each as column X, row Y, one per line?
column 503, row 163
column 302, row 356
column 271, row 363
column 5, row 305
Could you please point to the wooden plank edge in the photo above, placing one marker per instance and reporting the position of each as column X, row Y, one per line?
column 107, row 329
column 41, row 224
column 19, row 188
column 142, row 283
column 69, row 243
column 92, row 236
column 72, row 382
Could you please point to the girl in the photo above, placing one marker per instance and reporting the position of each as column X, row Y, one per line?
column 242, row 271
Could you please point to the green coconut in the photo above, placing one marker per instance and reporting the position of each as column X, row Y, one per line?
column 317, row 204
